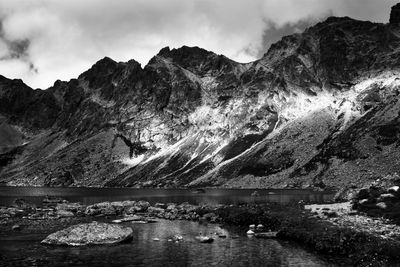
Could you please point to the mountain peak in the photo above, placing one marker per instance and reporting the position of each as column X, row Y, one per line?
column 100, row 72
column 184, row 53
column 105, row 62
column 164, row 51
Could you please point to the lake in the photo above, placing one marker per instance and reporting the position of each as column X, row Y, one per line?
column 89, row 196
column 23, row 248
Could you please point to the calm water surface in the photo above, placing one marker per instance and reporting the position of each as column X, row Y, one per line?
column 89, row 196
column 22, row 248
column 26, row 250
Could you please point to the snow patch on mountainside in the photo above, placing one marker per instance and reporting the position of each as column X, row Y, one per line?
column 132, row 162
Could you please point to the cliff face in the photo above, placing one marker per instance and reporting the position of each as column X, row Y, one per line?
column 395, row 14
column 319, row 109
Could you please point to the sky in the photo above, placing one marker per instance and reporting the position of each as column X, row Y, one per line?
column 42, row 41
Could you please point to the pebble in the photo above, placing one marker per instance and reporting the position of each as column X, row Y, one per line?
column 16, row 227
column 250, row 232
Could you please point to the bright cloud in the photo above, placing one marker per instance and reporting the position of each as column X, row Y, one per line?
column 45, row 40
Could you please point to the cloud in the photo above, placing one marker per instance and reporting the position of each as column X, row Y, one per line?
column 14, row 50
column 274, row 33
column 45, row 40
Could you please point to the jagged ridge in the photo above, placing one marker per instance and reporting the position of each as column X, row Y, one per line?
column 318, row 109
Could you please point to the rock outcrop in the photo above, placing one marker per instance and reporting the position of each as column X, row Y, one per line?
column 94, row 233
column 395, row 14
column 379, row 202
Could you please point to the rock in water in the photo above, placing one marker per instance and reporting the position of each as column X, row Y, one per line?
column 93, row 233
column 266, row 235
column 204, row 239
column 16, row 227
column 64, row 213
column 250, row 232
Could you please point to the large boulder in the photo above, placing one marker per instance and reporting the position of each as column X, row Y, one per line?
column 93, row 233
column 72, row 207
column 121, row 206
column 155, row 211
column 186, row 208
column 21, row 203
column 64, row 213
column 379, row 202
column 103, row 208
column 140, row 206
column 116, row 208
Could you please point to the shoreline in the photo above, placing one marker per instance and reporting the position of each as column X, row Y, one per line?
column 332, row 230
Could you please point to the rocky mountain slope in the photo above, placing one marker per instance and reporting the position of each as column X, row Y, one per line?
column 319, row 109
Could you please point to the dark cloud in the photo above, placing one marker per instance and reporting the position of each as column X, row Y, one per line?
column 16, row 49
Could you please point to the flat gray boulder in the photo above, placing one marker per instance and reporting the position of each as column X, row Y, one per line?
column 93, row 233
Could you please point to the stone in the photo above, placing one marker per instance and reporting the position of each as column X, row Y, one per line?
column 204, row 239
column 151, row 220
column 363, row 194
column 260, row 227
column 122, row 206
column 160, row 205
column 113, row 208
column 155, row 210
column 381, row 205
column 330, row 214
column 103, row 208
column 186, row 208
column 140, row 206
column 211, row 217
column 170, row 207
column 23, row 204
column 266, row 235
column 64, row 213
column 386, row 197
column 250, row 232
column 93, row 233
column 177, row 238
column 133, row 218
column 73, row 207
column 394, row 189
column 10, row 212
column 16, row 227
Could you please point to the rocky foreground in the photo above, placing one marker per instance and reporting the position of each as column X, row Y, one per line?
column 332, row 229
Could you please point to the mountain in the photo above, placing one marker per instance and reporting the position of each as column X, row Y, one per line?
column 320, row 109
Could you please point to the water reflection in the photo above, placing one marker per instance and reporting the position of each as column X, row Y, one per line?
column 211, row 196
column 143, row 251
